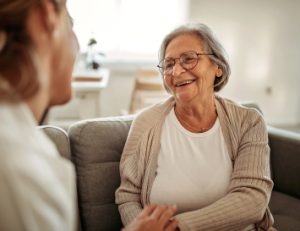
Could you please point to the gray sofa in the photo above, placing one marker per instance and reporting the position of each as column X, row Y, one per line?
column 95, row 147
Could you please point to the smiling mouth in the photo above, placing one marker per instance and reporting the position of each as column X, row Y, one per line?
column 184, row 83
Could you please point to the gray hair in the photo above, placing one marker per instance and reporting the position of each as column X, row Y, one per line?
column 211, row 45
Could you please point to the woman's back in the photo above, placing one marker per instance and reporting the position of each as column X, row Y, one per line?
column 36, row 183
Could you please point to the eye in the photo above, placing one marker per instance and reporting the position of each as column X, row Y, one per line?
column 188, row 58
column 168, row 64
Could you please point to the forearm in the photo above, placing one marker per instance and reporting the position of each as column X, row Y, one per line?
column 129, row 211
column 233, row 212
column 128, row 195
column 128, row 201
column 128, row 198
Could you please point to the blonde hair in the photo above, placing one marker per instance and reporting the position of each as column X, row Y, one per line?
column 19, row 78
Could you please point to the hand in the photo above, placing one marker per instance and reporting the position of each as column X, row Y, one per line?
column 154, row 218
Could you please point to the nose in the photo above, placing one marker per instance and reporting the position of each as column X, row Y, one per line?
column 177, row 69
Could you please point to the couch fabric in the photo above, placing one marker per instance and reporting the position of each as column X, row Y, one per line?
column 285, row 166
column 96, row 147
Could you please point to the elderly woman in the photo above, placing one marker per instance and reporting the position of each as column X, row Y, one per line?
column 206, row 154
column 37, row 186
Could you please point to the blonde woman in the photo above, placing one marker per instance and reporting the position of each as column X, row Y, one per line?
column 37, row 186
column 37, row 53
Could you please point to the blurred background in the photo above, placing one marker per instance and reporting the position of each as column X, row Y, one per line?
column 116, row 74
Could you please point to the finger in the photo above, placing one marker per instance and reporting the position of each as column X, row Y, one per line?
column 172, row 225
column 148, row 210
column 158, row 211
column 165, row 217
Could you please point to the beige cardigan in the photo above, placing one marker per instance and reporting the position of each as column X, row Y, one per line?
column 246, row 201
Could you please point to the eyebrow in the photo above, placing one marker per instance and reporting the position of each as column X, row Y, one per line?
column 198, row 52
column 168, row 58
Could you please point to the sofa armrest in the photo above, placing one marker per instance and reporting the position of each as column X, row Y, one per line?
column 60, row 138
column 285, row 160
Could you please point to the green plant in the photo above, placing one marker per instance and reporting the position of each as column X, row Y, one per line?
column 92, row 42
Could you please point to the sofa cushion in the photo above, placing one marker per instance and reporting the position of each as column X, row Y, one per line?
column 96, row 150
column 285, row 160
column 285, row 210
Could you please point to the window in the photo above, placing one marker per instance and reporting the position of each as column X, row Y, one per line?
column 126, row 28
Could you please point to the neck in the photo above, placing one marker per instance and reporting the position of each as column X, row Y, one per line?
column 38, row 105
column 199, row 117
column 199, row 108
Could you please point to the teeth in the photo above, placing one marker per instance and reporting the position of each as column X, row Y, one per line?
column 184, row 82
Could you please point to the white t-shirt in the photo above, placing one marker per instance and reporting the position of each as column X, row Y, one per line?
column 37, row 186
column 194, row 169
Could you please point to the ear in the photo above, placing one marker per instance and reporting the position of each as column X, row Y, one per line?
column 42, row 21
column 51, row 17
column 219, row 72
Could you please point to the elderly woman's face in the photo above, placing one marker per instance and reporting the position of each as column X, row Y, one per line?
column 190, row 84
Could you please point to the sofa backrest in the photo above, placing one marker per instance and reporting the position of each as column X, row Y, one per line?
column 285, row 160
column 96, row 147
column 96, row 150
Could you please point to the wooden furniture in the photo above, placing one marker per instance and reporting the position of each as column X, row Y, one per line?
column 148, row 89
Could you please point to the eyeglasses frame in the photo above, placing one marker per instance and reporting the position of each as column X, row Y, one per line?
column 161, row 69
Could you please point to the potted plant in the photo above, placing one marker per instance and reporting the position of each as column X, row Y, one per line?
column 93, row 56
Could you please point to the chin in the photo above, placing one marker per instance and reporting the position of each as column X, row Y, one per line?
column 184, row 97
column 63, row 101
column 60, row 100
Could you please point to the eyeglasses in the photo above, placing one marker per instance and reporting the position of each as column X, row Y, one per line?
column 187, row 60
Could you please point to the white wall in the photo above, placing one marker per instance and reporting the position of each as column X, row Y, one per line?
column 262, row 38
column 131, row 26
column 129, row 32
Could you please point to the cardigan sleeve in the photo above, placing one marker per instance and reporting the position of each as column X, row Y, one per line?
column 246, row 201
column 128, row 195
